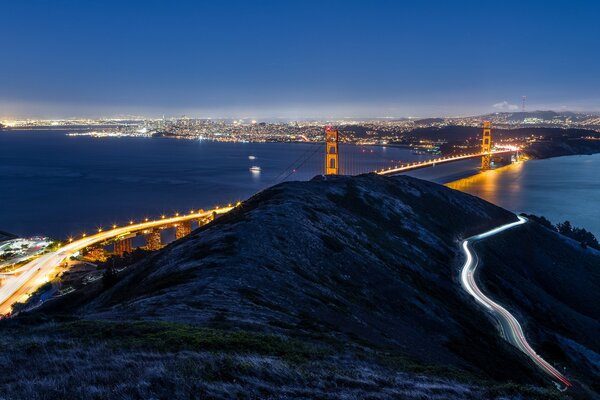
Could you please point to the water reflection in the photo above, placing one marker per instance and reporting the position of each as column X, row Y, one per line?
column 491, row 186
column 564, row 188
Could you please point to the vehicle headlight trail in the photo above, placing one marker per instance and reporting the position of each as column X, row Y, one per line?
column 511, row 328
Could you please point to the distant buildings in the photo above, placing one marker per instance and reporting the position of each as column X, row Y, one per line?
column 383, row 131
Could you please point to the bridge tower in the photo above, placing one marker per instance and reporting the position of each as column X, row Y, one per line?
column 331, row 151
column 486, row 145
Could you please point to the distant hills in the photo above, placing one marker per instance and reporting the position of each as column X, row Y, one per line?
column 337, row 287
column 543, row 115
column 509, row 120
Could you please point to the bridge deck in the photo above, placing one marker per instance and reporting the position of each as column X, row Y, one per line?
column 430, row 163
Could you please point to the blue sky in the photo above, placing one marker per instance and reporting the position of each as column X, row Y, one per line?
column 296, row 58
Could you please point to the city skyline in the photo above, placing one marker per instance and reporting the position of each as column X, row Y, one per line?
column 296, row 60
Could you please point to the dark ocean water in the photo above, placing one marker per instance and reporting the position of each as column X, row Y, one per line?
column 56, row 185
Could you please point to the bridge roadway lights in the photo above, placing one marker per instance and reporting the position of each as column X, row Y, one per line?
column 153, row 241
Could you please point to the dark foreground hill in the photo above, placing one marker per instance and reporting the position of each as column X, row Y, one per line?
column 6, row 236
column 336, row 288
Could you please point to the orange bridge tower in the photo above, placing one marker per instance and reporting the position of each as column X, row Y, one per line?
column 331, row 151
column 486, row 145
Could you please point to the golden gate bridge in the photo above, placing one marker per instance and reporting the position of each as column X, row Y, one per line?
column 25, row 279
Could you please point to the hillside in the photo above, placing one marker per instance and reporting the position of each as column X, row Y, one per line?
column 455, row 133
column 344, row 286
column 558, row 146
column 4, row 236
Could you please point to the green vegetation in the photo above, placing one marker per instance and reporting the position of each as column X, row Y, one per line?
column 171, row 337
column 109, row 277
column 402, row 363
column 231, row 360
column 54, row 246
column 583, row 236
column 18, row 307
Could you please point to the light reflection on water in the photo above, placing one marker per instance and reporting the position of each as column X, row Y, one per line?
column 563, row 188
column 487, row 184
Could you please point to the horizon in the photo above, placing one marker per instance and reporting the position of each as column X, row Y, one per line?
column 280, row 119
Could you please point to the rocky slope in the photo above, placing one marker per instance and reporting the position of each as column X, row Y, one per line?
column 337, row 275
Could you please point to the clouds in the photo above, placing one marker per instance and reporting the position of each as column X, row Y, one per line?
column 505, row 106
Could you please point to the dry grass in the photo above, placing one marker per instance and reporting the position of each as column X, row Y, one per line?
column 53, row 362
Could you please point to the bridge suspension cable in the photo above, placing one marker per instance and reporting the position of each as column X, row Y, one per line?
column 295, row 165
column 317, row 148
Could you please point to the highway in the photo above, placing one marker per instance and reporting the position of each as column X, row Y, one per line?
column 38, row 271
column 511, row 328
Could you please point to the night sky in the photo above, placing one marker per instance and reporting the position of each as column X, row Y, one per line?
column 295, row 59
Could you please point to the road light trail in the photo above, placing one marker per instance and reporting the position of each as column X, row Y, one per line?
column 510, row 326
column 37, row 272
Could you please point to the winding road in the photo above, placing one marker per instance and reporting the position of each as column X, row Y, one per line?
column 511, row 328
